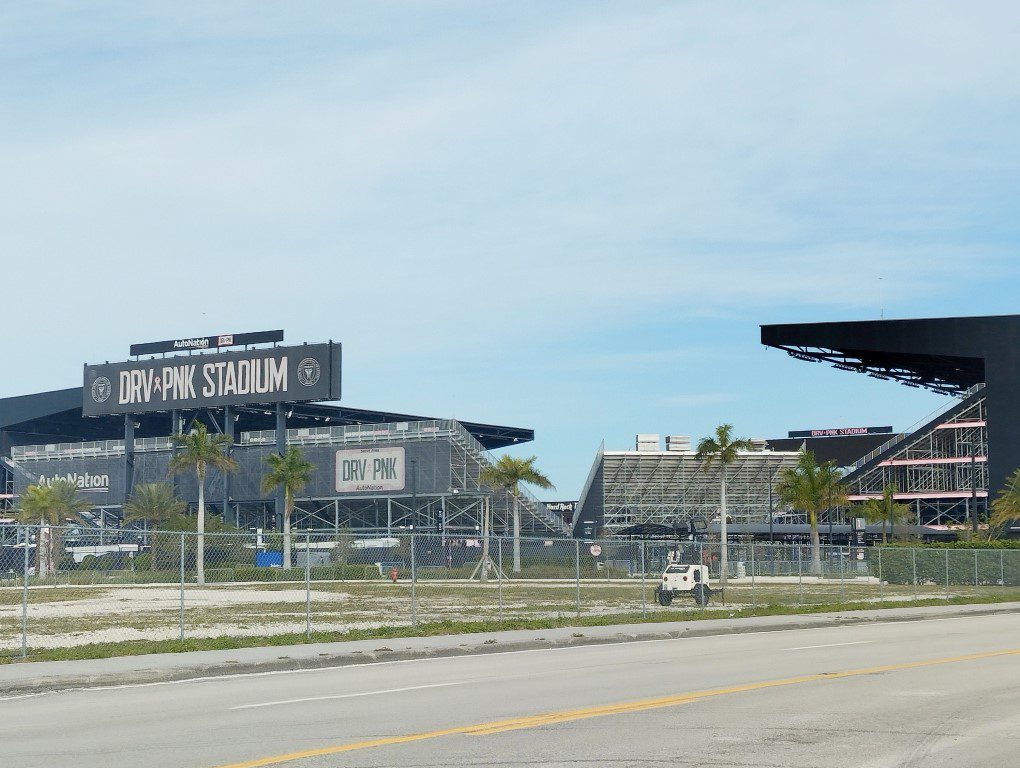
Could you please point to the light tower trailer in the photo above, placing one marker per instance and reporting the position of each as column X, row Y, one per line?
column 684, row 581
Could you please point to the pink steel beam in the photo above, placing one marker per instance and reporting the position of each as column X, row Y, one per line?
column 916, row 462
column 919, row 495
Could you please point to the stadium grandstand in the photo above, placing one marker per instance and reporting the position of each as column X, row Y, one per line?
column 434, row 484
column 948, row 465
column 656, row 485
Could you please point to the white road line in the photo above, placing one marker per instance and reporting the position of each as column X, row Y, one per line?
column 348, row 695
column 827, row 645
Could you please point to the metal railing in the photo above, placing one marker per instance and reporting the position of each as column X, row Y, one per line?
column 356, row 433
column 97, row 448
column 913, row 428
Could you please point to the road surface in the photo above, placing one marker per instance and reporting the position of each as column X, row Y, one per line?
column 930, row 693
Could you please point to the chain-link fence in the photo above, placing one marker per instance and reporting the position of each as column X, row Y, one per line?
column 63, row 587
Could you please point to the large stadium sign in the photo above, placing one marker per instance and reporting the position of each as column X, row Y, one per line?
column 282, row 374
column 840, row 432
column 370, row 469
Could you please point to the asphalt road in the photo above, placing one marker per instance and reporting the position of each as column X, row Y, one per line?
column 931, row 693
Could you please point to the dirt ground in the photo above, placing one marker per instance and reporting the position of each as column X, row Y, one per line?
column 68, row 616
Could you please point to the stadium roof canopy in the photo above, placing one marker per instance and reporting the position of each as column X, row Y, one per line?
column 50, row 417
column 950, row 355
column 945, row 354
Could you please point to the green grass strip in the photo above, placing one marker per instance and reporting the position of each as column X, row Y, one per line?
column 431, row 629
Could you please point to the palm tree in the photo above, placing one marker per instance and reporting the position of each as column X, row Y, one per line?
column 886, row 510
column 1006, row 506
column 508, row 473
column 721, row 449
column 197, row 452
column 290, row 471
column 810, row 487
column 50, row 505
column 153, row 502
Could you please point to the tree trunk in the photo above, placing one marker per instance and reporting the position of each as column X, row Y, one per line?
column 724, row 555
column 288, row 501
column 517, row 534
column 200, row 538
column 41, row 551
column 53, row 543
column 816, row 548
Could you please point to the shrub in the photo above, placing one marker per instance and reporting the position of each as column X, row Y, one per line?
column 898, row 563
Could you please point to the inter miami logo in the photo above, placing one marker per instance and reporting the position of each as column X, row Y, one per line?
column 309, row 371
column 101, row 389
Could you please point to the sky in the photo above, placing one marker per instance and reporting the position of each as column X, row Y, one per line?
column 565, row 216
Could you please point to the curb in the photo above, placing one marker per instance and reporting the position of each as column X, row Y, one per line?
column 55, row 679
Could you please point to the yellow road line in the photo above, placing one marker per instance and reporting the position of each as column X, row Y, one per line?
column 550, row 718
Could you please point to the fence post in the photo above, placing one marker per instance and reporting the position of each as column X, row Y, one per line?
column 754, row 594
column 1002, row 569
column 182, row 585
column 701, row 561
column 842, row 576
column 644, row 607
column 800, row 575
column 881, row 583
column 913, row 560
column 308, row 585
column 577, row 575
column 947, row 574
column 975, row 571
column 24, row 594
column 499, row 574
column 414, row 585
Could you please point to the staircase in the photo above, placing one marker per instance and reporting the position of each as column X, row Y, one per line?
column 536, row 516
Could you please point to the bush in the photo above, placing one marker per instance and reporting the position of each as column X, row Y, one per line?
column 897, row 565
column 962, row 544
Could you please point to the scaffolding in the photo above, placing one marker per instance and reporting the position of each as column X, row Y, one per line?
column 939, row 468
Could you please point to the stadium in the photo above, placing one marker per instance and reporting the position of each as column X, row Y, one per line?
column 945, row 467
column 116, row 431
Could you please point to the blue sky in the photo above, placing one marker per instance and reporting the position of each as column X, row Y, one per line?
column 568, row 216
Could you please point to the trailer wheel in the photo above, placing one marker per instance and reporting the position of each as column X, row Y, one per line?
column 665, row 598
column 701, row 594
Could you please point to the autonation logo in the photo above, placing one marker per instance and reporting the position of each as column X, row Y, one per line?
column 83, row 482
column 196, row 343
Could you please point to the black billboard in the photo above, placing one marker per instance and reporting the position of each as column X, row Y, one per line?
column 307, row 373
column 207, row 342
